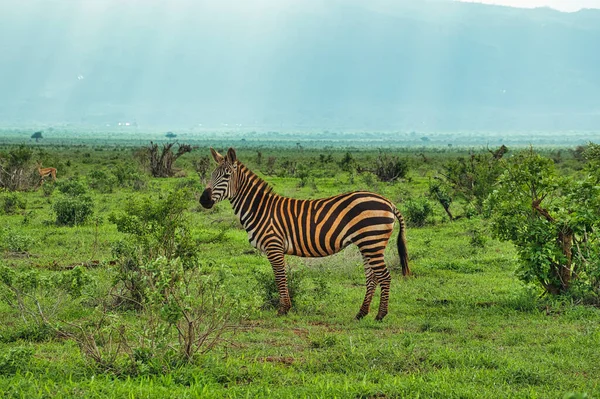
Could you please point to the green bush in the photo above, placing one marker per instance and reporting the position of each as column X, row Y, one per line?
column 12, row 203
column 102, row 181
column 390, row 168
column 268, row 287
column 553, row 221
column 15, row 359
column 73, row 211
column 473, row 178
column 418, row 211
column 71, row 187
column 75, row 206
column 14, row 241
column 154, row 228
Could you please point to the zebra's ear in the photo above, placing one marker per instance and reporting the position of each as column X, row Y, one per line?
column 231, row 157
column 217, row 157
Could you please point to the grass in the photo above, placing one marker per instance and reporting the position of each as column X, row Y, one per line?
column 461, row 327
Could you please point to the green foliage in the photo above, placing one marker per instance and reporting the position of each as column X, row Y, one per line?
column 465, row 327
column 12, row 203
column 390, row 168
column 155, row 228
column 127, row 175
column 15, row 359
column 438, row 192
column 75, row 206
column 418, row 211
column 552, row 221
column 102, row 181
column 477, row 238
column 268, row 287
column 71, row 187
column 347, row 163
column 38, row 299
column 202, row 166
column 16, row 171
column 15, row 241
column 473, row 178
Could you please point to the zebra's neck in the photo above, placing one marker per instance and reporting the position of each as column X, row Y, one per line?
column 252, row 196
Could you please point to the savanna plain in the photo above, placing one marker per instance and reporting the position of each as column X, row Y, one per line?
column 117, row 283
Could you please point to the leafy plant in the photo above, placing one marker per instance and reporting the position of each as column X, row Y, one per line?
column 390, row 168
column 268, row 287
column 12, row 203
column 102, row 181
column 553, row 222
column 155, row 228
column 473, row 178
column 16, row 170
column 75, row 206
column 418, row 211
column 15, row 241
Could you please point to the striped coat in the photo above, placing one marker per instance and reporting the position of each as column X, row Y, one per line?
column 279, row 225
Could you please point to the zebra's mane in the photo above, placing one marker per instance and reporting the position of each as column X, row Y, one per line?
column 266, row 187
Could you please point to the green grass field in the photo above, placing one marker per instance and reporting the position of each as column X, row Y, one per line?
column 462, row 326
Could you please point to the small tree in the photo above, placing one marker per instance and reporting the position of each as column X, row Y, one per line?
column 389, row 169
column 473, row 178
column 170, row 135
column 552, row 221
column 16, row 170
column 439, row 193
column 162, row 161
column 37, row 136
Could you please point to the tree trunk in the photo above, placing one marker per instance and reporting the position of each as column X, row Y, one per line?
column 561, row 274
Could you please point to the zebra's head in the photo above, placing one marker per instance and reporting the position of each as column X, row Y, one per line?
column 221, row 184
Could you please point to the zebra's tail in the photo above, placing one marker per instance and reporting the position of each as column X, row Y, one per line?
column 402, row 252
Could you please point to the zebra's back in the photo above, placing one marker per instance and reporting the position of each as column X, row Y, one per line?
column 322, row 227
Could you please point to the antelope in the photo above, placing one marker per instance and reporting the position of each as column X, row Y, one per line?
column 45, row 172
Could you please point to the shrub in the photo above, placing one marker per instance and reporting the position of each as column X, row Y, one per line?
column 12, row 203
column 16, row 170
column 418, row 212
column 73, row 210
column 268, row 287
column 553, row 222
column 15, row 359
column 439, row 193
column 347, row 163
column 155, row 228
column 14, row 241
column 473, row 178
column 102, row 181
column 71, row 187
column 202, row 167
column 75, row 206
column 388, row 169
column 38, row 299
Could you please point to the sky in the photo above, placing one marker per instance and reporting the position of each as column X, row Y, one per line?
column 563, row 5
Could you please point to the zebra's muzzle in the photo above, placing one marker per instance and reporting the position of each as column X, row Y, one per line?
column 206, row 199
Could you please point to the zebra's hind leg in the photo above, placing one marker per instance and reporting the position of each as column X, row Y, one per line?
column 371, row 285
column 384, row 279
column 376, row 273
column 278, row 264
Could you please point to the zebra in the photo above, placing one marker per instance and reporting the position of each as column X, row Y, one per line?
column 279, row 226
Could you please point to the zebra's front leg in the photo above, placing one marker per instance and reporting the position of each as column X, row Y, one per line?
column 278, row 264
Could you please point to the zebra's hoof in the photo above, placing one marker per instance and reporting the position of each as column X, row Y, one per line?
column 282, row 312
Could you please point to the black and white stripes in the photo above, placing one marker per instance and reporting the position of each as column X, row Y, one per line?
column 310, row 228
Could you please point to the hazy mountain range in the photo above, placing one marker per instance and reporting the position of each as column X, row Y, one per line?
column 427, row 65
